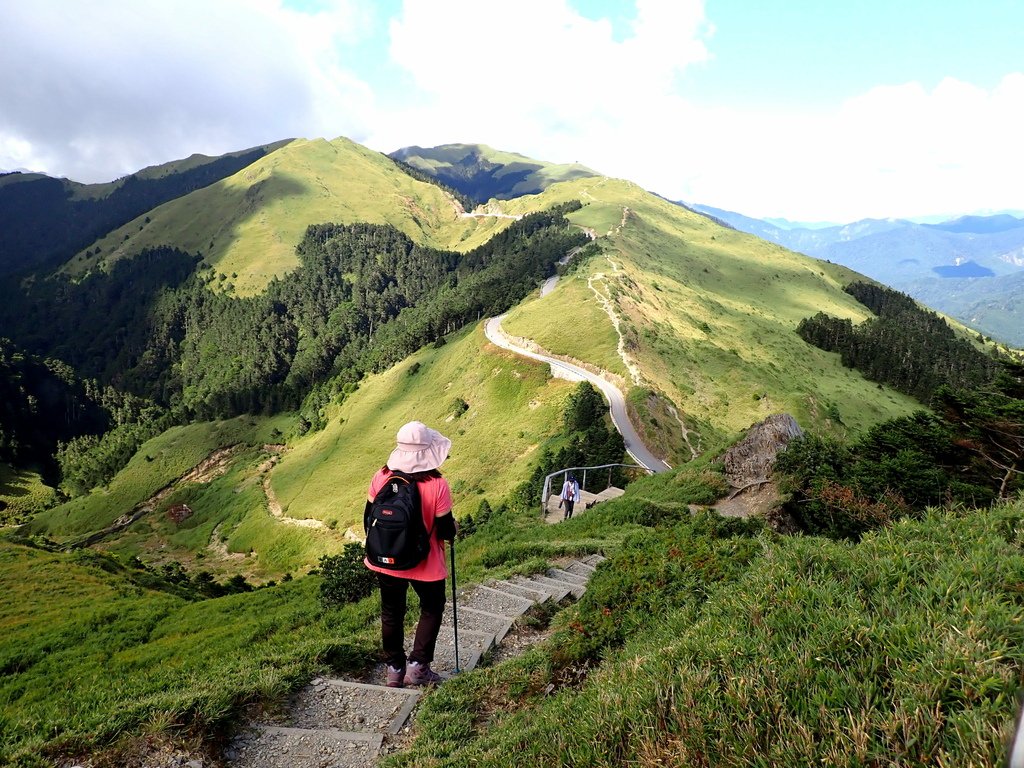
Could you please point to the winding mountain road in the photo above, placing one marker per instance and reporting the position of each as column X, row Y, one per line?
column 617, row 403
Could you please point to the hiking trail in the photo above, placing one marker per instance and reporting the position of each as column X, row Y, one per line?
column 345, row 723
column 274, row 506
column 575, row 370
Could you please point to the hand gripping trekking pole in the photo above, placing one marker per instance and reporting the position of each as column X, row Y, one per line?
column 455, row 611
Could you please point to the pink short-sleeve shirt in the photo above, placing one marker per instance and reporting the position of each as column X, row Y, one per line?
column 435, row 500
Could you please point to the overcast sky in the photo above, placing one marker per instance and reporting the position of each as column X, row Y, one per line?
column 811, row 110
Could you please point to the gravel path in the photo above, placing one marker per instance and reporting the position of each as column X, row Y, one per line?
column 617, row 403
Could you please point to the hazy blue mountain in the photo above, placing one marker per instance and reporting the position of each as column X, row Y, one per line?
column 971, row 267
column 980, row 225
column 787, row 224
column 916, row 250
column 996, row 307
column 803, row 239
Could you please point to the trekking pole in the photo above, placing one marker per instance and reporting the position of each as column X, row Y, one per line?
column 455, row 611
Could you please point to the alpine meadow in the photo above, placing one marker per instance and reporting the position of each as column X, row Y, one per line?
column 203, row 364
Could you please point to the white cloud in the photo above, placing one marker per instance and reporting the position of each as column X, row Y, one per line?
column 893, row 151
column 538, row 78
column 94, row 90
column 534, row 76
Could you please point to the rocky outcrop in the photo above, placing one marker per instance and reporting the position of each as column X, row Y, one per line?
column 750, row 461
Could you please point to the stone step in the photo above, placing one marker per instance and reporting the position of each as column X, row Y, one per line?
column 609, row 493
column 472, row 646
column 494, row 600
column 557, row 590
column 348, row 706
column 580, row 568
column 577, row 590
column 276, row 747
column 342, row 724
column 516, row 588
column 479, row 621
column 567, row 576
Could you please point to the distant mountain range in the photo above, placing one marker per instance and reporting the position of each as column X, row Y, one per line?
column 971, row 268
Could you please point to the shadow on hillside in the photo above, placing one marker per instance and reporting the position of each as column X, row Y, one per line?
column 13, row 484
column 237, row 206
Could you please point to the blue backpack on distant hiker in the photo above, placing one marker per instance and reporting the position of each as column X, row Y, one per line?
column 396, row 538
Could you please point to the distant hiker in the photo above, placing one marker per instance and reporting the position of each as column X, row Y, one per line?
column 570, row 495
column 410, row 481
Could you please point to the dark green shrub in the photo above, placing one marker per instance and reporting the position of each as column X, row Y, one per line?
column 655, row 572
column 346, row 578
column 483, row 513
column 467, row 526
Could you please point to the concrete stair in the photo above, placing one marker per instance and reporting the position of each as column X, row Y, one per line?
column 341, row 723
column 553, row 514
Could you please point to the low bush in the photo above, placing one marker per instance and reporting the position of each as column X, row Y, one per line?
column 345, row 577
column 653, row 573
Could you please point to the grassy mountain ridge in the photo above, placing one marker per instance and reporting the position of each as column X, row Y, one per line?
column 706, row 338
column 247, row 226
column 707, row 315
column 45, row 220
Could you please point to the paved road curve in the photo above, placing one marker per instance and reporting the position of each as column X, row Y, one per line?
column 634, row 447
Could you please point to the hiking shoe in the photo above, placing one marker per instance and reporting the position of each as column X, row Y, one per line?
column 421, row 674
column 396, row 677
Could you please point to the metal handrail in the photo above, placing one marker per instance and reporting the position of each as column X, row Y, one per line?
column 546, row 492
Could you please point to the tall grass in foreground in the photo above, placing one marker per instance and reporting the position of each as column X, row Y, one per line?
column 87, row 653
column 906, row 649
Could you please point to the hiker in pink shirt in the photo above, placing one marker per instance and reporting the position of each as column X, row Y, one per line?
column 419, row 453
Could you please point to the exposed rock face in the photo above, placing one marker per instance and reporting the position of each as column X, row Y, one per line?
column 751, row 460
column 179, row 513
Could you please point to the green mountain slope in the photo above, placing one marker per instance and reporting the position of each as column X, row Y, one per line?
column 512, row 407
column 706, row 318
column 247, row 226
column 482, row 172
column 696, row 320
column 45, row 220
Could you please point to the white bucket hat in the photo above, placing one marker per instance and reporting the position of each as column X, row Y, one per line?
column 420, row 449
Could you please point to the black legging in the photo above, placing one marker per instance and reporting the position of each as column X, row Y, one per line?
column 393, row 591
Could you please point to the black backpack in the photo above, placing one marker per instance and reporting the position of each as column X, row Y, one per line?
column 396, row 538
